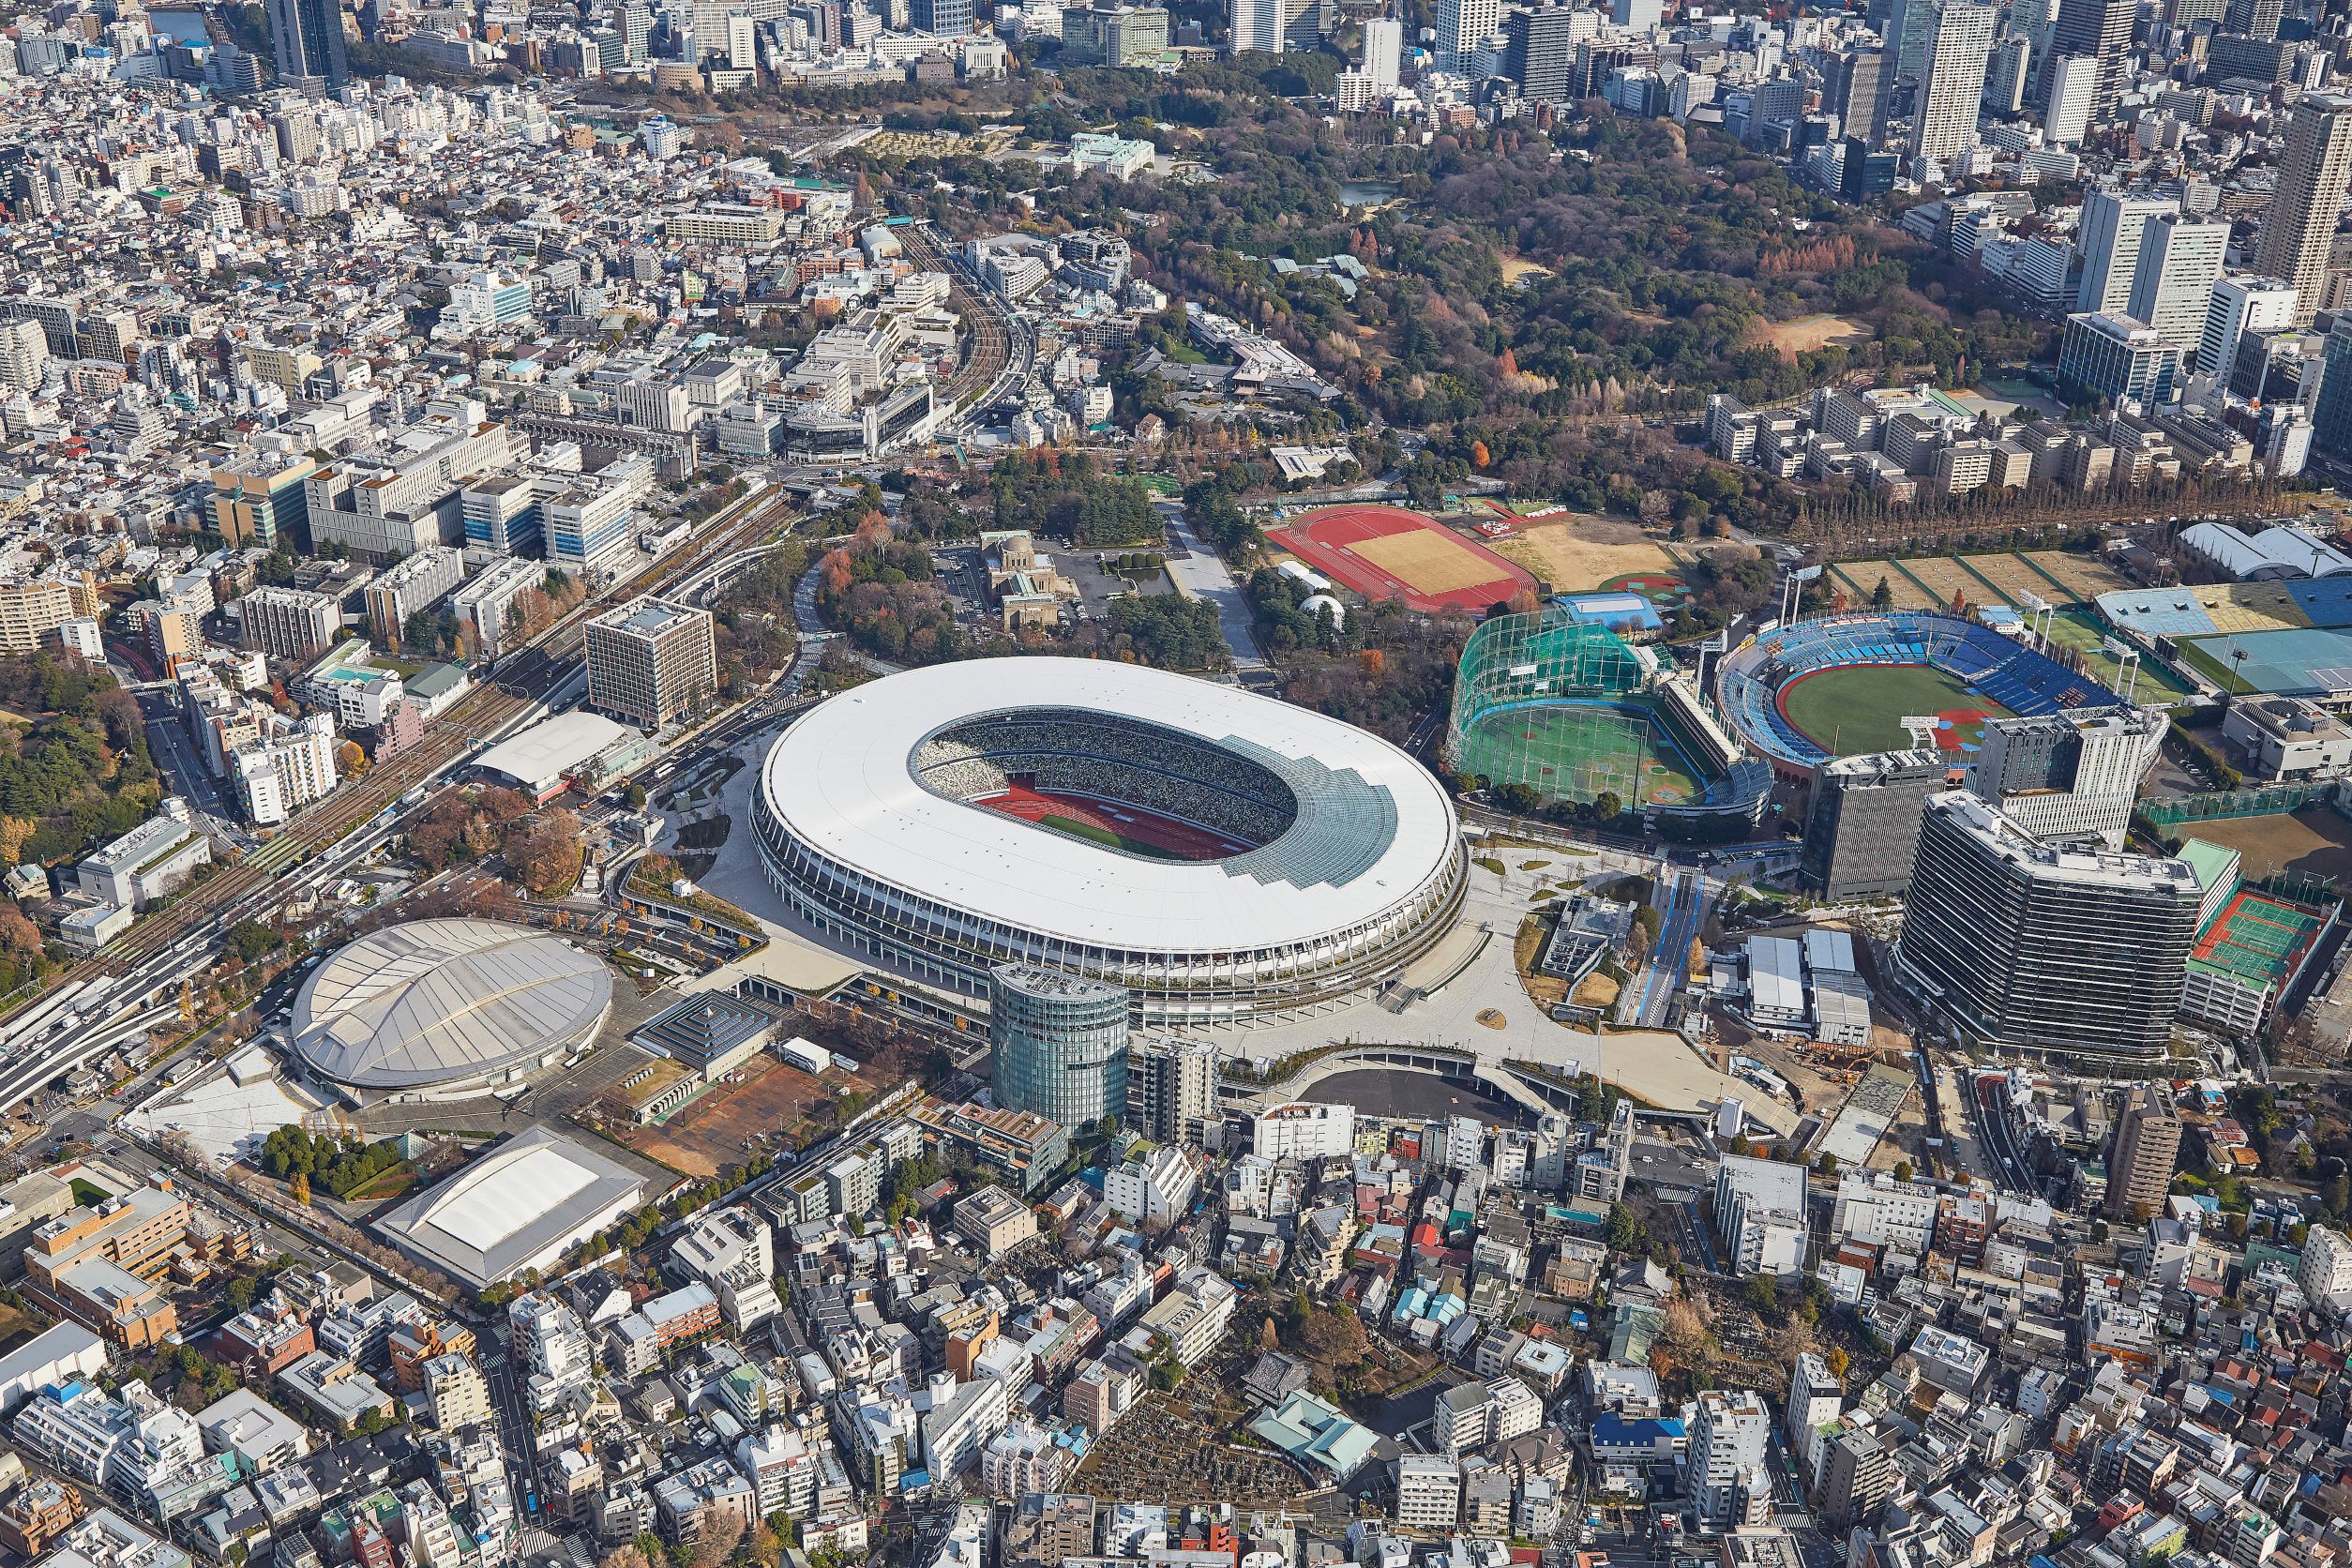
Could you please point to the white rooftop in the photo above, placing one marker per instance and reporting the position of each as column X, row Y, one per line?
column 542, row 754
column 841, row 779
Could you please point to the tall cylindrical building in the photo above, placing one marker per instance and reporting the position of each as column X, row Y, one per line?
column 1059, row 1043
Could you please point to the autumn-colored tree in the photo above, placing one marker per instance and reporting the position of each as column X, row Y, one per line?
column 350, row 761
column 300, row 1186
column 1480, row 457
column 544, row 852
column 14, row 831
column 18, row 936
column 1506, row 365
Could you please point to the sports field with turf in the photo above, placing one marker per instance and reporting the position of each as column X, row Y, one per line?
column 1575, row 751
column 1858, row 708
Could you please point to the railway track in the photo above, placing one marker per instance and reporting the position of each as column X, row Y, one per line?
column 476, row 717
column 990, row 339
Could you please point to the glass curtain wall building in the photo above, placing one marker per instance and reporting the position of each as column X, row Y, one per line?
column 1059, row 1043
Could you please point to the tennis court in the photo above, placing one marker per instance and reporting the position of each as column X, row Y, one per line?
column 2256, row 938
column 1575, row 751
column 2300, row 659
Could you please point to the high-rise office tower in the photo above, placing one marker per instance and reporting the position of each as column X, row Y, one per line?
column 2181, row 258
column 1862, row 829
column 1910, row 29
column 306, row 35
column 1953, row 88
column 2073, row 84
column 1058, row 1043
column 2146, row 1147
column 2300, row 223
column 1636, row 16
column 1541, row 52
column 2005, row 77
column 650, row 661
column 2242, row 304
column 1383, row 50
column 1464, row 24
column 2099, row 30
column 2331, row 412
column 1256, row 27
column 2257, row 19
column 2069, row 774
column 941, row 18
column 1854, row 89
column 2035, row 946
column 2114, row 223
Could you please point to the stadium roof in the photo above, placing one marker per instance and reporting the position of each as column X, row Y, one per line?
column 518, row 1207
column 438, row 1000
column 1373, row 826
column 539, row 757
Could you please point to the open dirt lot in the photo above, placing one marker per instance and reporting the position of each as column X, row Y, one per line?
column 1584, row 551
column 2085, row 576
column 1429, row 562
column 2313, row 840
column 1945, row 578
column 710, row 1133
column 1861, row 579
column 1815, row 332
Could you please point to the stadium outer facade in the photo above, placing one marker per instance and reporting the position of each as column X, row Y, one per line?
column 1750, row 679
column 870, row 828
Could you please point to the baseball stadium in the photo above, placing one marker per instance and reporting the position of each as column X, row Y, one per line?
column 1844, row 684
column 1223, row 856
column 1387, row 552
column 2290, row 638
column 1569, row 709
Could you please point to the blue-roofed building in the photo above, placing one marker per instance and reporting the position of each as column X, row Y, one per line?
column 1620, row 612
column 1625, row 1452
column 1316, row 1433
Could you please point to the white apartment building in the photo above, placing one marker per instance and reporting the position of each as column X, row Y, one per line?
column 280, row 775
column 1304, row 1130
column 1194, row 1316
column 2326, row 1271
column 1022, row 1458
column 1815, row 1400
column 1875, row 1209
column 484, row 604
column 144, row 864
column 1515, row 1409
column 415, row 584
column 1760, row 1211
column 2242, row 304
column 1428, row 1492
column 1730, row 1485
column 1159, row 1187
column 290, row 623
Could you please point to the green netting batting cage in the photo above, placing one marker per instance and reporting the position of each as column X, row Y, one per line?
column 1566, row 708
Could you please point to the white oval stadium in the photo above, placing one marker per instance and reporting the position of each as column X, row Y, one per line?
column 439, row 1009
column 1216, row 852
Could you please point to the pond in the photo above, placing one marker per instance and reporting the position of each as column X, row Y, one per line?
column 1366, row 193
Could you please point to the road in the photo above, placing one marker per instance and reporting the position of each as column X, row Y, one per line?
column 1681, row 901
column 146, row 965
column 1200, row 575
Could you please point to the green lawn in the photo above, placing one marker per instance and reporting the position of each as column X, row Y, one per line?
column 1093, row 835
column 1860, row 709
column 2079, row 628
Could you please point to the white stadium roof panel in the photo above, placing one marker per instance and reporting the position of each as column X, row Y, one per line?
column 1373, row 826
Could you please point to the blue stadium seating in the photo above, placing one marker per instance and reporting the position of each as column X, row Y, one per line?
column 1749, row 681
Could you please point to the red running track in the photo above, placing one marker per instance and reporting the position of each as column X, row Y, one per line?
column 1322, row 538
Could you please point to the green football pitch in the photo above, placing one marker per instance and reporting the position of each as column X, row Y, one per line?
column 1861, row 708
column 1577, row 752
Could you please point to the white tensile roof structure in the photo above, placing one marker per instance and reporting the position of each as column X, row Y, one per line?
column 433, row 1004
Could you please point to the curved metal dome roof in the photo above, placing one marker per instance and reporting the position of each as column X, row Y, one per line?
column 438, row 1000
